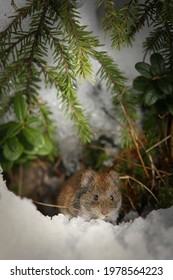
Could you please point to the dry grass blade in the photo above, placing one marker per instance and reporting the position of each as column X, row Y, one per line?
column 53, row 205
column 110, row 152
column 135, row 140
column 140, row 183
column 157, row 144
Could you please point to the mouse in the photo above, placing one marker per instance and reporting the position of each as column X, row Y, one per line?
column 92, row 195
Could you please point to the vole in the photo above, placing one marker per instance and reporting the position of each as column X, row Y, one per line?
column 91, row 195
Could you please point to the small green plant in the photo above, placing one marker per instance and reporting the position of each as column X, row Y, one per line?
column 25, row 138
column 155, row 83
column 155, row 86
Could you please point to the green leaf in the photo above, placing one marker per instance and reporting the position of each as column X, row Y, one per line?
column 32, row 151
column 154, row 71
column 28, row 147
column 20, row 106
column 151, row 96
column 141, row 83
column 25, row 158
column 12, row 149
column 14, row 130
column 34, row 137
column 46, row 149
column 144, row 69
column 165, row 86
column 158, row 63
column 4, row 131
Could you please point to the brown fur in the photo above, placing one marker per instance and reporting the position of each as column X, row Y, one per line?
column 92, row 195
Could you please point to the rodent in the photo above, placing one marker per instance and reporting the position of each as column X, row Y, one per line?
column 92, row 195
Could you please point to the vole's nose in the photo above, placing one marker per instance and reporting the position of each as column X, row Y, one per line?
column 105, row 211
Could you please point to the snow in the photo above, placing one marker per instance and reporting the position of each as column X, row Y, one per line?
column 26, row 234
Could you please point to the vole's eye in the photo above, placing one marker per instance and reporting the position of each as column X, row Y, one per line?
column 96, row 197
column 112, row 198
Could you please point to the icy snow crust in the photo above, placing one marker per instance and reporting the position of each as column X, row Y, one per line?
column 26, row 234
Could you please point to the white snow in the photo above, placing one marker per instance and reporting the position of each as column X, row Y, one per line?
column 26, row 234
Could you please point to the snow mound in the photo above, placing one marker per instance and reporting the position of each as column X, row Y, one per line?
column 26, row 234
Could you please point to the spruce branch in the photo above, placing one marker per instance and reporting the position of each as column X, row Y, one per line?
column 16, row 23
column 145, row 15
column 75, row 111
column 155, row 40
column 161, row 38
column 61, row 54
column 109, row 71
column 124, row 102
column 113, row 22
column 81, row 42
column 37, row 24
column 37, row 49
column 10, row 75
column 70, row 103
column 125, row 22
column 56, row 27
column 21, row 39
column 45, row 115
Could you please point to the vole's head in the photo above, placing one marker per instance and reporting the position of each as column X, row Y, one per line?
column 100, row 195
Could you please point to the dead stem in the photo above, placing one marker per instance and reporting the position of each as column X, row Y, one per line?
column 155, row 170
column 132, row 204
column 112, row 117
column 135, row 138
column 158, row 143
column 140, row 183
column 53, row 205
column 110, row 152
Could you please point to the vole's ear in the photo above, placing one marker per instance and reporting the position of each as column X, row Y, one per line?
column 87, row 178
column 114, row 177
